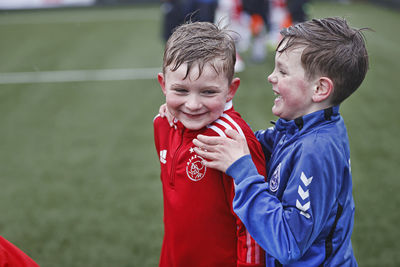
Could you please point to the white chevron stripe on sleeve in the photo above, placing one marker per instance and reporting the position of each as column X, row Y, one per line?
column 306, row 181
column 303, row 194
column 304, row 207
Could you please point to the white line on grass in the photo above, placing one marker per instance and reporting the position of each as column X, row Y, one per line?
column 78, row 17
column 78, row 75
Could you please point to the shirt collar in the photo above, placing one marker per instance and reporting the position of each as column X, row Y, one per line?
column 228, row 105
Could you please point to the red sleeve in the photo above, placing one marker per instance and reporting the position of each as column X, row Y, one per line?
column 11, row 256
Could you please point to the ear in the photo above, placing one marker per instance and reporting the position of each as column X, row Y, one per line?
column 323, row 89
column 161, row 81
column 233, row 88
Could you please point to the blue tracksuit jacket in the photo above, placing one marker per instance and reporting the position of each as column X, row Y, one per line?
column 303, row 215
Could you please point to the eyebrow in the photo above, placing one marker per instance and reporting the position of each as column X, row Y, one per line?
column 178, row 84
column 211, row 87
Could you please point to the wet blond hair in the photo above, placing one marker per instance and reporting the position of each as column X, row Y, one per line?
column 199, row 43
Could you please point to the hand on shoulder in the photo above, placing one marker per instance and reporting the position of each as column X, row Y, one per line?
column 221, row 152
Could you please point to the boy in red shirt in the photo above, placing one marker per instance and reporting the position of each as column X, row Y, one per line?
column 11, row 256
column 200, row 227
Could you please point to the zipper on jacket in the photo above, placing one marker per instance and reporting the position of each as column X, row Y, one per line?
column 174, row 159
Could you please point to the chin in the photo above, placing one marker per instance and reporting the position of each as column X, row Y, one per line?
column 194, row 126
column 275, row 112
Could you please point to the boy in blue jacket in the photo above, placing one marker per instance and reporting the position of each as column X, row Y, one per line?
column 304, row 214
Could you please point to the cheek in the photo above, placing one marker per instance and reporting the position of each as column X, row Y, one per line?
column 173, row 100
column 294, row 87
column 173, row 104
column 217, row 105
column 304, row 90
column 302, row 84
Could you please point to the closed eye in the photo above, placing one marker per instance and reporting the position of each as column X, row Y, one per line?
column 180, row 91
column 209, row 92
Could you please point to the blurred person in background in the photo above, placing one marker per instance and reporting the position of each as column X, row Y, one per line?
column 176, row 12
column 258, row 10
column 297, row 10
column 249, row 19
column 229, row 15
column 172, row 16
column 279, row 19
column 283, row 14
column 201, row 10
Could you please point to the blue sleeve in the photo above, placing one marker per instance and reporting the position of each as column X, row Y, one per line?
column 286, row 228
column 262, row 213
column 266, row 139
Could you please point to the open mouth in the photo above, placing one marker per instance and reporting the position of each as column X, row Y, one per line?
column 277, row 96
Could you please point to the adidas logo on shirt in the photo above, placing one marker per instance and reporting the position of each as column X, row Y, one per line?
column 163, row 156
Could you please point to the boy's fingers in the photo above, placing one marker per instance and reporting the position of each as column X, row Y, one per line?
column 202, row 146
column 205, row 154
column 200, row 152
column 164, row 113
column 210, row 164
column 197, row 143
column 209, row 140
column 162, row 110
column 233, row 134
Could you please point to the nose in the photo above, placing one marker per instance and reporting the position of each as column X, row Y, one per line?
column 193, row 102
column 272, row 78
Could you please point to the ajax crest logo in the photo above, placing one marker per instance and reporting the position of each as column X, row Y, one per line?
column 195, row 168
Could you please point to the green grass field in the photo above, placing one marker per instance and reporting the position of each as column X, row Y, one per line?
column 79, row 175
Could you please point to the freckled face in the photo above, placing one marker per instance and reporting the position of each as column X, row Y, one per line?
column 292, row 89
column 196, row 101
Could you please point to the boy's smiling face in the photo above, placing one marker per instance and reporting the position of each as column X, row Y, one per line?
column 292, row 88
column 196, row 101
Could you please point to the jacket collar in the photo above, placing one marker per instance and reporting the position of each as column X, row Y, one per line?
column 304, row 123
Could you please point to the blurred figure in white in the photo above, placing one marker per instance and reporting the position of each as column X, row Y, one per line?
column 285, row 13
column 249, row 19
column 229, row 14
column 258, row 10
column 279, row 19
